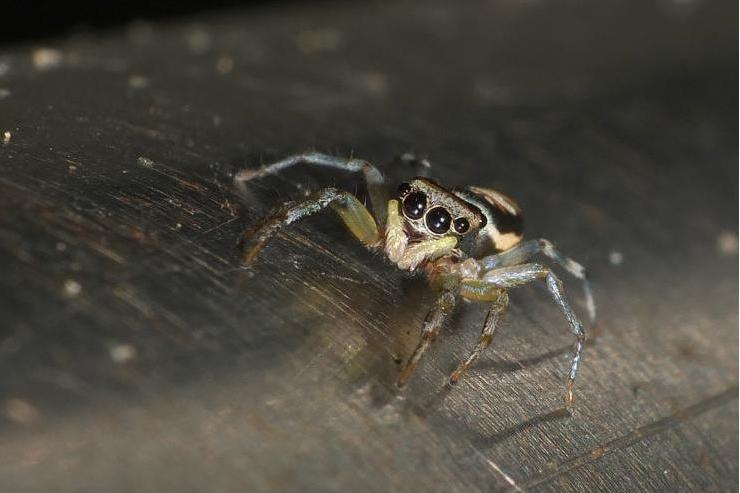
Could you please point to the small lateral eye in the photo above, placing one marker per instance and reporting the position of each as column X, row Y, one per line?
column 438, row 220
column 483, row 221
column 414, row 205
column 461, row 225
column 404, row 189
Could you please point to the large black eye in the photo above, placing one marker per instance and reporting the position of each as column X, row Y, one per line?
column 414, row 205
column 404, row 188
column 438, row 220
column 461, row 225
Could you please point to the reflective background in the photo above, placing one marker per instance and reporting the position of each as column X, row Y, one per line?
column 135, row 355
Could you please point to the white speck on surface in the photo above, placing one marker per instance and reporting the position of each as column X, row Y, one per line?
column 616, row 258
column 199, row 41
column 72, row 288
column 178, row 226
column 4, row 68
column 122, row 353
column 145, row 162
column 375, row 83
column 224, row 65
column 20, row 411
column 4, row 93
column 727, row 243
column 138, row 82
column 61, row 246
column 318, row 40
column 6, row 137
column 46, row 58
column 493, row 92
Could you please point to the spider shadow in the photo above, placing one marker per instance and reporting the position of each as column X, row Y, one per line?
column 431, row 404
column 558, row 414
column 427, row 409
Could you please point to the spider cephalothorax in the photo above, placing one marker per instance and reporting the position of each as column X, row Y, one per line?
column 432, row 210
column 426, row 227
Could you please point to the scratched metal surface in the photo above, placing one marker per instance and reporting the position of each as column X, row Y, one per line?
column 136, row 356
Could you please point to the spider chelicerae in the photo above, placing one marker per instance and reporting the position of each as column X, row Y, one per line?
column 433, row 230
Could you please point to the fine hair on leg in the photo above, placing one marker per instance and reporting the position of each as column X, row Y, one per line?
column 354, row 215
column 517, row 275
column 524, row 251
column 493, row 318
column 439, row 312
column 373, row 177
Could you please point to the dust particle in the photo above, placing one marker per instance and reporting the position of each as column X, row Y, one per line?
column 375, row 83
column 319, row 40
column 6, row 137
column 4, row 93
column 46, row 58
column 138, row 82
column 20, row 411
column 122, row 353
column 224, row 65
column 145, row 162
column 72, row 288
column 616, row 258
column 198, row 40
column 727, row 243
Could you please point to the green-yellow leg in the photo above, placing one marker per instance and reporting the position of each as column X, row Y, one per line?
column 373, row 177
column 352, row 212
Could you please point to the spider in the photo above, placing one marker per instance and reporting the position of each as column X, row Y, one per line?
column 426, row 228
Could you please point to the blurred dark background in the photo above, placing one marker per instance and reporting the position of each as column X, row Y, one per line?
column 136, row 355
column 38, row 20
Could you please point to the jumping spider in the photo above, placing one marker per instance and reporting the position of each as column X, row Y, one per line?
column 428, row 228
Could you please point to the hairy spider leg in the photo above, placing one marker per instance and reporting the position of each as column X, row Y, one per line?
column 524, row 251
column 517, row 275
column 373, row 177
column 354, row 215
column 489, row 327
column 440, row 311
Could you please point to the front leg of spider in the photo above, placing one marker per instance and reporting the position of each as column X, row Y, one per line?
column 429, row 229
column 355, row 216
column 435, row 319
column 493, row 318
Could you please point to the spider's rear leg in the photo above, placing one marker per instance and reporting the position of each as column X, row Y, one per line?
column 440, row 311
column 373, row 177
column 489, row 327
column 517, row 275
column 354, row 215
column 524, row 251
column 422, row 166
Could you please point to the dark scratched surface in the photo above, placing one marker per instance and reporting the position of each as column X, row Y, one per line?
column 135, row 355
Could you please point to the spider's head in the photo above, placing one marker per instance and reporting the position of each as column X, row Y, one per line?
column 431, row 211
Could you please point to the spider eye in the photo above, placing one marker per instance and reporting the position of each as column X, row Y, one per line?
column 404, row 189
column 438, row 220
column 414, row 205
column 461, row 225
